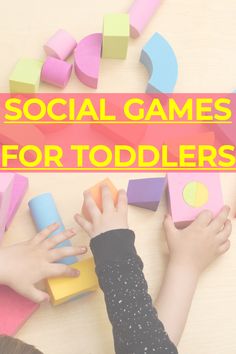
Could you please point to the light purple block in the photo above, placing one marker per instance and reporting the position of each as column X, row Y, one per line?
column 146, row 193
column 56, row 72
column 20, row 186
column 61, row 45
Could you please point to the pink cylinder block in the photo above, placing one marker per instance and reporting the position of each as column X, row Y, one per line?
column 56, row 72
column 60, row 45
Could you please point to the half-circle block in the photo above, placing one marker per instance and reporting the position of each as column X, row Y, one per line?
column 87, row 59
column 140, row 14
column 146, row 193
column 60, row 45
column 160, row 60
column 15, row 310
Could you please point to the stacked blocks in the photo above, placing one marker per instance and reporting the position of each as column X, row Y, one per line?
column 160, row 60
column 140, row 13
column 6, row 187
column 87, row 59
column 189, row 194
column 44, row 213
column 56, row 72
column 15, row 310
column 65, row 289
column 146, row 193
column 97, row 195
column 60, row 45
column 25, row 77
column 20, row 186
column 116, row 31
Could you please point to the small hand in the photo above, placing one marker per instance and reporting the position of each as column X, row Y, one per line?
column 198, row 245
column 111, row 218
column 25, row 264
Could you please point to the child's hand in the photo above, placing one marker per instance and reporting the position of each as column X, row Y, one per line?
column 25, row 264
column 112, row 218
column 200, row 243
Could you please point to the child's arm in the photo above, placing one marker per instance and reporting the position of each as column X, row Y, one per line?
column 191, row 251
column 23, row 265
column 136, row 327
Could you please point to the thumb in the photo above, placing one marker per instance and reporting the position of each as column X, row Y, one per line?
column 169, row 225
column 37, row 295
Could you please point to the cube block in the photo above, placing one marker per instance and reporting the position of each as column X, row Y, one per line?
column 97, row 195
column 15, row 310
column 65, row 289
column 191, row 193
column 25, row 77
column 20, row 186
column 146, row 193
column 116, row 31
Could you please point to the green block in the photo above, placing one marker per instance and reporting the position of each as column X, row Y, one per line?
column 25, row 77
column 116, row 32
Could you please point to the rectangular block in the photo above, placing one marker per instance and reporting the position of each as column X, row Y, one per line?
column 191, row 193
column 65, row 289
column 116, row 31
column 25, row 77
column 15, row 310
column 6, row 187
column 97, row 195
column 20, row 186
column 146, row 193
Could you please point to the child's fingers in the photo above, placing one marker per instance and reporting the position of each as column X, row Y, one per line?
column 57, row 239
column 91, row 206
column 223, row 235
column 37, row 295
column 43, row 235
column 85, row 224
column 169, row 225
column 61, row 270
column 107, row 201
column 204, row 218
column 224, row 247
column 59, row 253
column 122, row 204
column 219, row 221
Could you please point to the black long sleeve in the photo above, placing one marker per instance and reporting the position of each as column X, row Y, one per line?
column 136, row 327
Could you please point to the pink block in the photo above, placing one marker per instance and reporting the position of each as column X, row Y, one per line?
column 182, row 213
column 20, row 185
column 56, row 72
column 15, row 310
column 140, row 14
column 87, row 59
column 60, row 45
column 6, row 187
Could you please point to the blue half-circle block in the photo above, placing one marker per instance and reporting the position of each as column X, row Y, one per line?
column 44, row 213
column 160, row 60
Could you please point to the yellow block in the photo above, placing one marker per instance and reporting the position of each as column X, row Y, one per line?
column 65, row 289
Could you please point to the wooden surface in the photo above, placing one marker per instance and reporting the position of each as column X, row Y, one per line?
column 202, row 33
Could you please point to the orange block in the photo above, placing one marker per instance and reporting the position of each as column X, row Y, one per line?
column 97, row 195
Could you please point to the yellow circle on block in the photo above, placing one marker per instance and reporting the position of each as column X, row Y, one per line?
column 196, row 194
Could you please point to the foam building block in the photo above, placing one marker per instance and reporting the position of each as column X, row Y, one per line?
column 65, row 289
column 6, row 187
column 160, row 60
column 87, row 59
column 116, row 31
column 146, row 193
column 56, row 72
column 44, row 213
column 140, row 13
column 15, row 310
column 191, row 193
column 25, row 77
column 60, row 45
column 20, row 186
column 97, row 195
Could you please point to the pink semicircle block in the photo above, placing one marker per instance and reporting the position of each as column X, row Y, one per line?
column 87, row 59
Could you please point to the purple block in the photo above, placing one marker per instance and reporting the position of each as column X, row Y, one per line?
column 146, row 193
